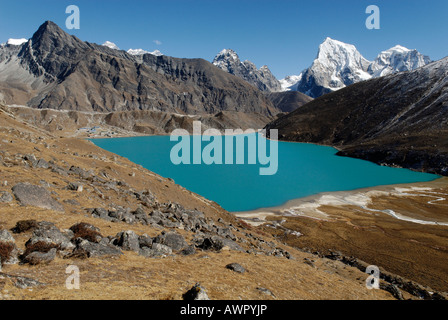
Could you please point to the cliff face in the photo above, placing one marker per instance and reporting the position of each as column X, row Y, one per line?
column 58, row 71
column 396, row 120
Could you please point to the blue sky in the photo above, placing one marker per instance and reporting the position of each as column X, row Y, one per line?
column 283, row 34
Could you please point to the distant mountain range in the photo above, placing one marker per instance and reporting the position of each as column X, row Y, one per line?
column 339, row 65
column 134, row 52
column 56, row 70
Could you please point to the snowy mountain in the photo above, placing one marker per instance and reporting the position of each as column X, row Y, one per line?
column 16, row 42
column 289, row 83
column 262, row 78
column 339, row 64
column 110, row 45
column 137, row 52
column 397, row 59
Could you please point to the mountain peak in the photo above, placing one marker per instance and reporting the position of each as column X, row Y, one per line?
column 48, row 27
column 331, row 46
column 340, row 64
column 50, row 36
column 399, row 48
column 229, row 61
column 111, row 45
column 227, row 54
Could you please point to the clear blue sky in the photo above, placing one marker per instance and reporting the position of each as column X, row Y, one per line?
column 283, row 34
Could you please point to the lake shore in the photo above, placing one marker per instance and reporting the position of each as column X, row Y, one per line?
column 309, row 206
column 400, row 228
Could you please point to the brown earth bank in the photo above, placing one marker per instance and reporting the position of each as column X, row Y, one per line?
column 401, row 229
column 142, row 236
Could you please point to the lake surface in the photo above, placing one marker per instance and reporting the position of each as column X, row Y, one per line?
column 303, row 170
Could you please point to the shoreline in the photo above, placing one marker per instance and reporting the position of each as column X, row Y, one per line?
column 309, row 206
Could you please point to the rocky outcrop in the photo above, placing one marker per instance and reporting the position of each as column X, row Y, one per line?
column 197, row 292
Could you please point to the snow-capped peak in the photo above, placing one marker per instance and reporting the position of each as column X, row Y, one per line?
column 110, row 45
column 137, row 52
column 289, row 83
column 16, row 42
column 397, row 59
column 399, row 48
column 339, row 64
column 229, row 61
column 338, row 55
column 226, row 56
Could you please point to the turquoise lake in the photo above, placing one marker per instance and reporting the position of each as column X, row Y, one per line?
column 303, row 170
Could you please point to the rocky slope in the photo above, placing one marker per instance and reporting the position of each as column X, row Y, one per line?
column 288, row 101
column 131, row 123
column 55, row 70
column 136, row 235
column 229, row 61
column 399, row 119
column 339, row 64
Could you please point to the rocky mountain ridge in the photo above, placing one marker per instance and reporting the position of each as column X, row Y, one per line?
column 54, row 70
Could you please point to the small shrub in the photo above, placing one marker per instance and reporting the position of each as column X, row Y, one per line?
column 39, row 246
column 6, row 250
column 25, row 225
column 86, row 231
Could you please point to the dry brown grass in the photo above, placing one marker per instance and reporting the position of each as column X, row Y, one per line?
column 131, row 276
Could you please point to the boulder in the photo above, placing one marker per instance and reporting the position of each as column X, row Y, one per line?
column 41, row 163
column 5, row 197
column 188, row 251
column 197, row 292
column 37, row 257
column 49, row 236
column 236, row 267
column 161, row 249
column 89, row 249
column 128, row 240
column 80, row 172
column 37, row 196
column 86, row 231
column 145, row 241
column 75, row 186
column 171, row 239
column 215, row 243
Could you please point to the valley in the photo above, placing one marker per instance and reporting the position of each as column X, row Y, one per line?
column 135, row 234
